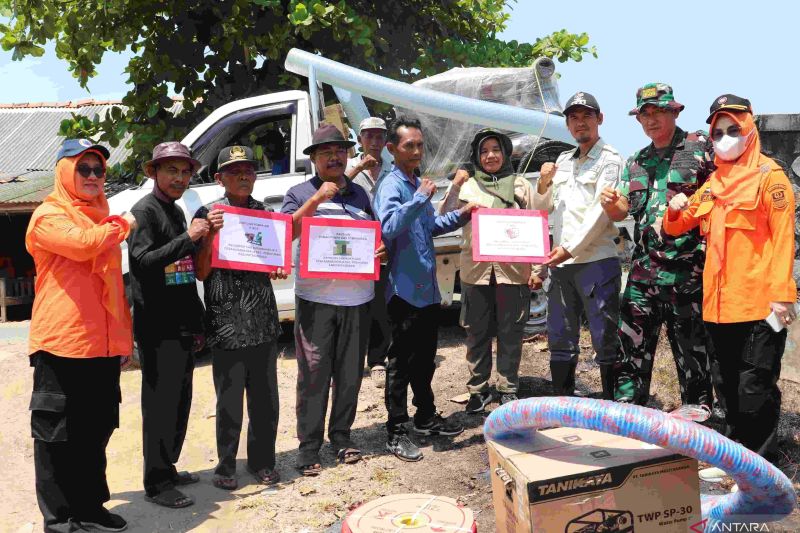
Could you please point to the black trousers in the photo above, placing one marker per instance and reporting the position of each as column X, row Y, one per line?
column 74, row 410
column 745, row 367
column 252, row 369
column 380, row 332
column 167, row 368
column 415, row 333
column 330, row 341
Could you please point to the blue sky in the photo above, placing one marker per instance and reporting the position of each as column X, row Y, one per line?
column 702, row 48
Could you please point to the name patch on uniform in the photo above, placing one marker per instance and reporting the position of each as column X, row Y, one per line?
column 778, row 193
column 707, row 196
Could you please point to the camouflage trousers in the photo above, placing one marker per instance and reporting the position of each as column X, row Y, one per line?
column 643, row 310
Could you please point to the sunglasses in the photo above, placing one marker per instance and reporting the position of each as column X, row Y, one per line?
column 732, row 131
column 86, row 171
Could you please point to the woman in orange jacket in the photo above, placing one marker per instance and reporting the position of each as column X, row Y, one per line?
column 80, row 333
column 746, row 212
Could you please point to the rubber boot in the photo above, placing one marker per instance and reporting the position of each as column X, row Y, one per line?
column 607, row 379
column 563, row 377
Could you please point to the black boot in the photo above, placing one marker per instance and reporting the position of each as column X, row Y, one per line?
column 563, row 377
column 608, row 380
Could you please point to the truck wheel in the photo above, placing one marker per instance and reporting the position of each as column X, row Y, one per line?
column 537, row 319
column 546, row 151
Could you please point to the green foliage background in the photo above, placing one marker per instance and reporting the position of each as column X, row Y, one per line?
column 211, row 52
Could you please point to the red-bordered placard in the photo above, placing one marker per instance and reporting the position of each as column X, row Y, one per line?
column 514, row 224
column 254, row 239
column 319, row 222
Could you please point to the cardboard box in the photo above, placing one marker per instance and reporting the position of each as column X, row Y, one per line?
column 567, row 480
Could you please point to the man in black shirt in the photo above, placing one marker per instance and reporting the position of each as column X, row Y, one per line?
column 242, row 331
column 167, row 318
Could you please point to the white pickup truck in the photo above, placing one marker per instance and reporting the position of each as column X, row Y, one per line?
column 294, row 114
column 244, row 121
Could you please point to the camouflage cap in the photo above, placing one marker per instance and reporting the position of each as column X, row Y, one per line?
column 657, row 94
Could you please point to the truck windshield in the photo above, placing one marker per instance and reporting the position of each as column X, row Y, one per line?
column 267, row 130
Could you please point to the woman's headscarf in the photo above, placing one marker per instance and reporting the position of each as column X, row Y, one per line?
column 501, row 183
column 85, row 213
column 734, row 184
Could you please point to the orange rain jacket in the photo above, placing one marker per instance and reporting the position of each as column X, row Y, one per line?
column 80, row 309
column 759, row 247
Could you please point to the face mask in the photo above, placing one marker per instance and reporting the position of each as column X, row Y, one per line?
column 730, row 148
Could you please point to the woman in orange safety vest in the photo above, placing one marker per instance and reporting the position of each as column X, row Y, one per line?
column 746, row 212
column 80, row 333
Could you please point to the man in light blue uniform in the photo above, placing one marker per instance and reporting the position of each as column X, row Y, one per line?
column 403, row 205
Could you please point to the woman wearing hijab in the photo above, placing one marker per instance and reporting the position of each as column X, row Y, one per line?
column 80, row 334
column 495, row 297
column 746, row 213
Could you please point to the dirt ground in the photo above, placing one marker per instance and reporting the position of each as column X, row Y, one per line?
column 455, row 468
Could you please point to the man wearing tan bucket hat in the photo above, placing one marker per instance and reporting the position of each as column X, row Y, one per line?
column 168, row 317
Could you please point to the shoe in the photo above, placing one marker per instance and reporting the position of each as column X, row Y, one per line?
column 378, row 376
column 508, row 397
column 103, row 520
column 712, row 474
column 607, row 379
column 563, row 377
column 625, row 391
column 437, row 425
column 478, row 402
column 401, row 446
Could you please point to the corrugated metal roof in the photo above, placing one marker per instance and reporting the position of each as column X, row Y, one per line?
column 29, row 142
column 27, row 188
column 29, row 137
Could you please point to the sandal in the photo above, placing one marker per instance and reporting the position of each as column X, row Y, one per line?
column 225, row 482
column 186, row 478
column 310, row 470
column 172, row 498
column 265, row 476
column 348, row 456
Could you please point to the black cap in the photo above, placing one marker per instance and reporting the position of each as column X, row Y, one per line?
column 235, row 154
column 729, row 102
column 582, row 99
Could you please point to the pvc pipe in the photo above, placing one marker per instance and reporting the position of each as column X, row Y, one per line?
column 356, row 111
column 763, row 489
column 353, row 105
column 427, row 100
column 313, row 90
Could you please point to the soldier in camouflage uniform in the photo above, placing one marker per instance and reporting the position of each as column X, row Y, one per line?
column 665, row 281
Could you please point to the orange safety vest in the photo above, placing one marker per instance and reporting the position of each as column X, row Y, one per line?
column 759, row 248
column 80, row 309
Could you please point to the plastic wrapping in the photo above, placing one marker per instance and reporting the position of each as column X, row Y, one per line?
column 447, row 141
column 764, row 490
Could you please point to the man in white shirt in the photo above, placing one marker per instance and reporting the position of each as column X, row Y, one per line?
column 585, row 273
column 368, row 168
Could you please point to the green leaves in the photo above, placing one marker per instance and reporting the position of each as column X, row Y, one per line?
column 211, row 52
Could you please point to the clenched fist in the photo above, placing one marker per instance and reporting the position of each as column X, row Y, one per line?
column 546, row 173
column 198, row 229
column 461, row 177
column 679, row 202
column 327, row 191
column 215, row 220
column 427, row 187
column 367, row 162
column 608, row 196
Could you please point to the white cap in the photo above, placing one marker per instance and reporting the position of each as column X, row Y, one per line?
column 372, row 123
